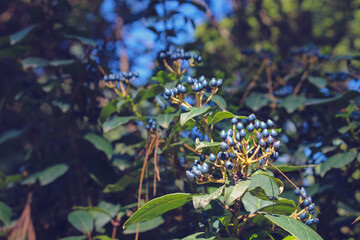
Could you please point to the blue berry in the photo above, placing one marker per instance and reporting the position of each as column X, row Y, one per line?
column 237, row 136
column 204, row 84
column 242, row 133
column 233, row 155
column 196, row 162
column 263, row 125
column 274, row 156
column 311, row 209
column 213, row 82
column 251, row 117
column 202, row 157
column 221, row 156
column 202, row 79
column 265, row 133
column 302, row 189
column 309, row 222
column 227, row 155
column 204, row 168
column 270, row 140
column 258, row 136
column 239, row 126
column 257, row 124
column 261, row 162
column 212, row 157
column 229, row 165
column 219, row 83
column 303, row 216
column 223, row 135
column 189, row 80
column 230, row 141
column 234, row 120
column 262, row 143
column 167, row 92
column 250, row 127
column 224, row 146
column 190, row 176
column 316, row 220
column 296, row 192
column 277, row 145
column 229, row 132
column 270, row 123
column 198, row 167
column 273, row 133
column 196, row 172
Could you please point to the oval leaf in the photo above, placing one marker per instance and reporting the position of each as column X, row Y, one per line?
column 157, row 207
column 18, row 36
column 100, row 143
column 201, row 201
column 114, row 122
column 234, row 191
column 5, row 213
column 337, row 161
column 294, row 227
column 184, row 117
column 82, row 221
column 145, row 226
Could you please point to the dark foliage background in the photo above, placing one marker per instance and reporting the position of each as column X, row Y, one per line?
column 52, row 97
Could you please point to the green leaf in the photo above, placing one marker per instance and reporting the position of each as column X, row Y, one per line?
column 18, row 36
column 200, row 145
column 5, row 213
column 259, row 192
column 82, row 221
column 145, row 94
column 193, row 112
column 48, row 175
column 201, row 201
column 318, row 82
column 145, row 226
column 201, row 236
column 101, row 219
column 103, row 237
column 344, row 129
column 83, row 40
column 109, row 109
column 74, row 238
column 219, row 116
column 218, row 100
column 164, row 120
column 34, row 62
column 164, row 77
column 255, row 101
column 346, row 57
column 10, row 134
column 130, row 178
column 291, row 103
column 234, row 191
column 337, row 161
column 95, row 209
column 114, row 122
column 287, row 168
column 281, row 206
column 289, row 238
column 294, row 227
column 158, row 206
column 341, row 97
column 61, row 62
column 100, row 143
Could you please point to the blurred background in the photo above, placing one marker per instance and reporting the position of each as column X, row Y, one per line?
column 52, row 96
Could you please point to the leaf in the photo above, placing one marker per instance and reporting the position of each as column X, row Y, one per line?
column 61, row 62
column 84, row 40
column 95, row 209
column 259, row 192
column 234, row 191
column 193, row 112
column 287, row 168
column 10, row 134
column 158, row 206
column 100, row 143
column 200, row 145
column 289, row 238
column 5, row 213
column 281, row 206
column 145, row 226
column 343, row 97
column 103, row 237
column 164, row 77
column 48, row 175
column 125, row 181
column 102, row 219
column 344, row 129
column 114, row 122
column 294, row 227
column 164, row 120
column 18, row 36
column 201, row 201
column 201, row 236
column 34, row 62
column 291, row 103
column 109, row 109
column 318, row 82
column 219, row 116
column 346, row 57
column 82, row 221
column 256, row 101
column 74, row 238
column 218, row 100
column 337, row 161
column 144, row 94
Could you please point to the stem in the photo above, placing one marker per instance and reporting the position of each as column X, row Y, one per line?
column 227, row 207
column 302, row 79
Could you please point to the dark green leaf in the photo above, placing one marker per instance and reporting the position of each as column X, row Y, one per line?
column 291, row 103
column 109, row 109
column 114, row 122
column 337, row 161
column 346, row 57
column 83, row 40
column 101, row 219
column 218, row 100
column 18, row 36
column 94, row 209
column 234, row 191
column 48, row 175
column 145, row 94
column 10, row 134
column 193, row 112
column 318, row 82
column 61, row 62
column 125, row 181
column 294, row 227
column 287, row 168
column 100, row 143
column 201, row 236
column 280, row 206
column 5, row 213
column 201, row 201
column 158, row 206
column 164, row 120
column 256, row 101
column 145, row 226
column 344, row 97
column 34, row 62
column 82, row 221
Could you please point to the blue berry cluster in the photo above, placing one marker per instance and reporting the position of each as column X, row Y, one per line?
column 151, row 124
column 354, row 84
column 178, row 54
column 284, row 91
column 338, row 76
column 199, row 170
column 249, row 143
column 175, row 92
column 122, row 77
column 197, row 85
column 310, row 50
column 194, row 133
column 308, row 207
column 248, row 52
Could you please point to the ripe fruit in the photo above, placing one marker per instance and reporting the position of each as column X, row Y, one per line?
column 202, row 157
column 204, row 168
column 303, row 216
column 234, row 120
column 212, row 157
column 190, row 176
column 229, row 165
column 251, row 117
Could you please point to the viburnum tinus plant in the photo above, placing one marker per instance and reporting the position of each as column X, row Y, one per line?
column 236, row 161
